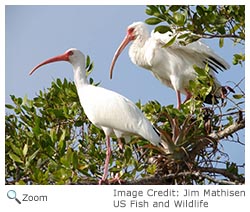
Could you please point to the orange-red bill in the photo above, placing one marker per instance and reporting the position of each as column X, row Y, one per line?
column 124, row 43
column 63, row 57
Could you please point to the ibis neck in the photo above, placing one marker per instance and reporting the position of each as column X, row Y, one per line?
column 80, row 76
column 137, row 51
column 141, row 39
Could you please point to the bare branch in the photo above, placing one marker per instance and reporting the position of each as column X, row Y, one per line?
column 223, row 172
column 208, row 36
column 216, row 136
column 217, row 181
column 236, row 126
column 169, row 179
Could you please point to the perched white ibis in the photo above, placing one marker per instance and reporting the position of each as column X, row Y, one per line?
column 172, row 65
column 106, row 109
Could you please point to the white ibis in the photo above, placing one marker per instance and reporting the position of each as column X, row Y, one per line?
column 172, row 65
column 106, row 109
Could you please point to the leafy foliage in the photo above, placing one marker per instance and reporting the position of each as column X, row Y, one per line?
column 212, row 21
column 49, row 140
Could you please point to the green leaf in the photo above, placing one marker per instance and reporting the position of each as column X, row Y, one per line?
column 179, row 18
column 153, row 21
column 25, row 149
column 19, row 101
column 232, row 167
column 59, row 82
column 31, row 157
column 16, row 149
column 62, row 143
column 9, row 106
column 221, row 30
column 151, row 169
column 36, row 129
column 87, row 61
column 221, row 42
column 200, row 71
column 153, row 8
column 149, row 12
column 174, row 8
column 127, row 154
column 53, row 135
column 230, row 119
column 169, row 43
column 91, row 81
column 183, row 35
column 200, row 10
column 234, row 29
column 79, row 123
column 57, row 112
column 162, row 29
column 238, row 96
column 238, row 58
column 162, row 8
column 221, row 20
column 75, row 160
column 15, row 158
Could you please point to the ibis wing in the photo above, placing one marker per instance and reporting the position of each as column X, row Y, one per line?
column 198, row 48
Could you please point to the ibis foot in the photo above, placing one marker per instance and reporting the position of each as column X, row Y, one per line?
column 103, row 182
column 116, row 179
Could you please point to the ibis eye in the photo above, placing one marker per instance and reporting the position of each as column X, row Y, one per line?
column 131, row 30
column 70, row 53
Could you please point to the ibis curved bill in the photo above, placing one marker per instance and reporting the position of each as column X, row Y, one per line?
column 172, row 65
column 106, row 109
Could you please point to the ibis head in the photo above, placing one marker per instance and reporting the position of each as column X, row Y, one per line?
column 137, row 30
column 72, row 56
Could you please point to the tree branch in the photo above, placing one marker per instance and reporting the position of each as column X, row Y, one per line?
column 223, row 172
column 216, row 136
column 152, row 180
column 208, row 36
column 169, row 179
column 221, row 182
column 228, row 130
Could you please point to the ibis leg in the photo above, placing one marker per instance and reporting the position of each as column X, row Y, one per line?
column 106, row 165
column 178, row 95
column 188, row 95
column 120, row 143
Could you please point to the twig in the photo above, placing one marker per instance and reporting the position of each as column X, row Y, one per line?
column 221, row 182
column 207, row 35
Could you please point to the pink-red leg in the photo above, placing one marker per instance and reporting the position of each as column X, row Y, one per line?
column 116, row 179
column 120, row 143
column 188, row 95
column 106, row 165
column 178, row 95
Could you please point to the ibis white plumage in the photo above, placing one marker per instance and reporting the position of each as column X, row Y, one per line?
column 172, row 65
column 106, row 109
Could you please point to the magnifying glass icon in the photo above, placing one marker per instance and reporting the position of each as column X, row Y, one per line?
column 11, row 194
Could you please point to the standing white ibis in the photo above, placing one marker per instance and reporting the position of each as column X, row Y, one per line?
column 172, row 65
column 106, row 109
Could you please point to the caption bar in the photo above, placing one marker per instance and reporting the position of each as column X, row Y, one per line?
column 170, row 198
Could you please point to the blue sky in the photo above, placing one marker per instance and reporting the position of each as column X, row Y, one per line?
column 36, row 33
